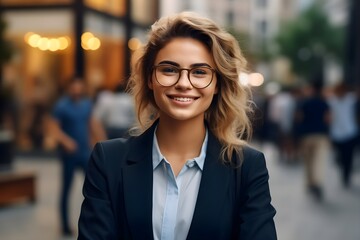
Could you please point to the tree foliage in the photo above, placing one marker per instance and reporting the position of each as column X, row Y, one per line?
column 308, row 40
column 244, row 43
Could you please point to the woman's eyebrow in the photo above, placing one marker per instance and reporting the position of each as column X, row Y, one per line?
column 170, row 63
column 178, row 65
column 200, row 65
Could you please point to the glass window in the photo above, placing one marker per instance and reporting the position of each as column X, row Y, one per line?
column 115, row 7
column 144, row 11
column 104, row 66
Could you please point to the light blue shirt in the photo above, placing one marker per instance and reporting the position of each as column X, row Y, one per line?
column 343, row 125
column 174, row 198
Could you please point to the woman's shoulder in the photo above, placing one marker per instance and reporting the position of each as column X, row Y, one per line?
column 112, row 149
column 114, row 143
column 253, row 168
column 252, row 158
column 122, row 147
column 251, row 152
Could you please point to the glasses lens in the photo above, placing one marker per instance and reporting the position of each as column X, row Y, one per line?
column 167, row 75
column 201, row 77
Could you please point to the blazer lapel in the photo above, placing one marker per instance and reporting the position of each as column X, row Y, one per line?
column 212, row 192
column 138, row 181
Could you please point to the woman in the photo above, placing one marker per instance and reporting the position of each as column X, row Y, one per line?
column 188, row 174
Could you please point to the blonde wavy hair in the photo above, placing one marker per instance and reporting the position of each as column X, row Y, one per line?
column 228, row 115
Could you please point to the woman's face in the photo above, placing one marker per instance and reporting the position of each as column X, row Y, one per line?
column 182, row 101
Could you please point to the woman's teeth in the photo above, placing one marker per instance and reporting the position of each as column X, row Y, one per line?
column 183, row 99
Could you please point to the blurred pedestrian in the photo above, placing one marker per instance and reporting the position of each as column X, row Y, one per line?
column 73, row 126
column 313, row 118
column 266, row 130
column 189, row 174
column 282, row 113
column 344, row 128
column 357, row 114
column 116, row 111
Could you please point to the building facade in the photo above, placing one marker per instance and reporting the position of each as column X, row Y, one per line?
column 54, row 40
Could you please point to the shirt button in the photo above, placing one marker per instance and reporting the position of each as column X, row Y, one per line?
column 190, row 164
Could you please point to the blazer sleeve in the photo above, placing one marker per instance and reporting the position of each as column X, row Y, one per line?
column 97, row 220
column 256, row 211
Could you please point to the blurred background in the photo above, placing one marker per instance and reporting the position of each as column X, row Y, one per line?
column 290, row 45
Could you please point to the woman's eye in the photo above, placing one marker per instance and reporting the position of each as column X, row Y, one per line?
column 169, row 70
column 198, row 72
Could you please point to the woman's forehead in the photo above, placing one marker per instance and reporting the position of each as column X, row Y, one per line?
column 185, row 52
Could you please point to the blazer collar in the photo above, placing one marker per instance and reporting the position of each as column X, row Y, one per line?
column 138, row 183
column 212, row 192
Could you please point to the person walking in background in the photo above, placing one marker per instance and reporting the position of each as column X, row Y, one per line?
column 282, row 112
column 313, row 118
column 344, row 128
column 188, row 173
column 115, row 110
column 72, row 126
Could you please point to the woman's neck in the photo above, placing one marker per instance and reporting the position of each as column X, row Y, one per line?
column 180, row 139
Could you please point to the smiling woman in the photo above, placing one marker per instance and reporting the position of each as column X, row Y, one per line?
column 187, row 171
column 180, row 96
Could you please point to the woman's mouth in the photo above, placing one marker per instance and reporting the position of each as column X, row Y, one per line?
column 183, row 99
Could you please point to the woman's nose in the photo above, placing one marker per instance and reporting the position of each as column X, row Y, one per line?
column 184, row 81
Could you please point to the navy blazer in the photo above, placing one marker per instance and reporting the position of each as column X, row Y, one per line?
column 118, row 194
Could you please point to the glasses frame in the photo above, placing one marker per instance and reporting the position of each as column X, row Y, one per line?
column 188, row 74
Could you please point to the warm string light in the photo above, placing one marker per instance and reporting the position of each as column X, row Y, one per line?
column 90, row 42
column 47, row 44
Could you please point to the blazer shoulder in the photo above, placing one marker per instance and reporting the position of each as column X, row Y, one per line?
column 112, row 144
column 251, row 153
column 252, row 159
column 113, row 150
column 124, row 151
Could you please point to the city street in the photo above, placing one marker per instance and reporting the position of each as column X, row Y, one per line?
column 299, row 216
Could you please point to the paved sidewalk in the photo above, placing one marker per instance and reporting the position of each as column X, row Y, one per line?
column 40, row 221
column 299, row 217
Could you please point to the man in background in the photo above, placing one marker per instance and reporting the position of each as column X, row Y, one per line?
column 73, row 127
column 313, row 119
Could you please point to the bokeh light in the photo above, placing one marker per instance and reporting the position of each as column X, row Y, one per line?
column 252, row 79
column 89, row 41
column 244, row 78
column 134, row 44
column 256, row 79
column 45, row 43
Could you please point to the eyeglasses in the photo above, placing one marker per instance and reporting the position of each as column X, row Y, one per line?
column 168, row 75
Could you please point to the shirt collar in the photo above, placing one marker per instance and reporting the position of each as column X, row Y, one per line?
column 157, row 157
